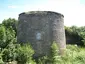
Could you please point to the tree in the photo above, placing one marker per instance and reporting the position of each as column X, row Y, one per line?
column 10, row 23
column 6, row 36
column 2, row 36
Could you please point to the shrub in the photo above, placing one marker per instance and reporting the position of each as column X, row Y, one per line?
column 9, row 53
column 55, row 57
column 43, row 60
column 25, row 54
column 1, row 60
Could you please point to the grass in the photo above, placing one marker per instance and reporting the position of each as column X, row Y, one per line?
column 74, row 55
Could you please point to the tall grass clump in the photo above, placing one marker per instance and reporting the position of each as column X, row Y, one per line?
column 73, row 55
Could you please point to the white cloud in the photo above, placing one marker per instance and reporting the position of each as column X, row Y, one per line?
column 74, row 12
column 12, row 6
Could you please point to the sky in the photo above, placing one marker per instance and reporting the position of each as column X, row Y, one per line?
column 73, row 10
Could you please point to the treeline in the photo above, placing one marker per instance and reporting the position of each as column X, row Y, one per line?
column 11, row 51
column 75, row 34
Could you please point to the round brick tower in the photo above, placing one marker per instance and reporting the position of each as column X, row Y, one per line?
column 40, row 29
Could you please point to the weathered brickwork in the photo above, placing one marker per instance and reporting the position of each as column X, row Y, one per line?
column 41, row 28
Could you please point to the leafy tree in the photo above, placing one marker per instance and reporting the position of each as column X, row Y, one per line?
column 6, row 36
column 7, row 32
column 10, row 33
column 10, row 22
column 2, row 36
column 73, row 33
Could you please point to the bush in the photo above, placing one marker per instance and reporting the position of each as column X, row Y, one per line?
column 43, row 60
column 9, row 53
column 55, row 57
column 74, row 55
column 25, row 54
column 1, row 60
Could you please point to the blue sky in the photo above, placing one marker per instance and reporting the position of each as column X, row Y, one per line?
column 73, row 10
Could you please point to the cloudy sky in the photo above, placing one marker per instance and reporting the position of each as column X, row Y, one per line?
column 73, row 10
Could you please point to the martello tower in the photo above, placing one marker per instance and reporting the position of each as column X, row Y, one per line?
column 41, row 28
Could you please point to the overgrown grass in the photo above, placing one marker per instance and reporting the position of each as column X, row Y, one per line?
column 24, row 55
column 74, row 55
